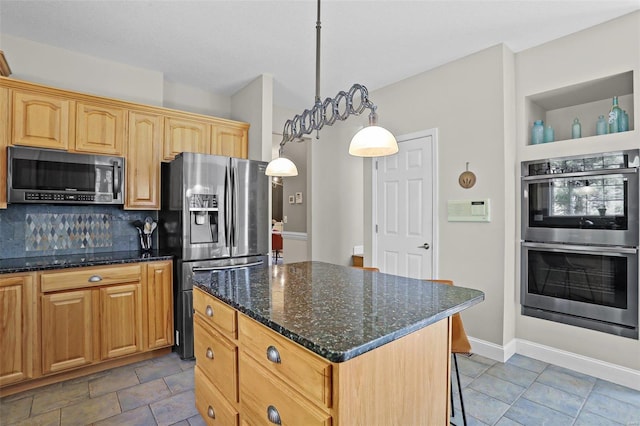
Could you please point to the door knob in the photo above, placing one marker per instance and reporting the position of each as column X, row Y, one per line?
column 424, row 246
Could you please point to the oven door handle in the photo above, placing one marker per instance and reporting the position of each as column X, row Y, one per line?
column 601, row 172
column 221, row 268
column 604, row 250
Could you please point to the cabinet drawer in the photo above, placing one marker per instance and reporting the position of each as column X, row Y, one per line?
column 265, row 399
column 309, row 373
column 215, row 313
column 211, row 404
column 89, row 277
column 217, row 357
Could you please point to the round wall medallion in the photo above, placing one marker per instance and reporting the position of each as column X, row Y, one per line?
column 467, row 179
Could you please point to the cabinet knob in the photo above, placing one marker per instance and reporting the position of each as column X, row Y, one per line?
column 209, row 353
column 211, row 413
column 209, row 311
column 273, row 415
column 273, row 355
column 95, row 279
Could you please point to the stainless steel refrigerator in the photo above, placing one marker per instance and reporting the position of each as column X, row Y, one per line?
column 214, row 216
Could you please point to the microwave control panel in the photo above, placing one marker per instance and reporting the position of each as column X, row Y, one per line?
column 64, row 197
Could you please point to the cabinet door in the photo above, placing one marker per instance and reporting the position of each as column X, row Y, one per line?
column 120, row 320
column 67, row 320
column 159, row 289
column 5, row 134
column 41, row 121
column 16, row 328
column 183, row 135
column 99, row 129
column 143, row 161
column 230, row 141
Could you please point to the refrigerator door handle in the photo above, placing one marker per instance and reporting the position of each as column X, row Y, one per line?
column 219, row 268
column 234, row 212
column 227, row 207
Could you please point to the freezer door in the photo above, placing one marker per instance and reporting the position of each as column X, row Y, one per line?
column 206, row 183
column 250, row 214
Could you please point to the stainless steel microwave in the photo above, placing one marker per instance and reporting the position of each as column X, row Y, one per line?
column 37, row 175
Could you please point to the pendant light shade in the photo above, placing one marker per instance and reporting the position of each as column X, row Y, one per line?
column 373, row 141
column 281, row 166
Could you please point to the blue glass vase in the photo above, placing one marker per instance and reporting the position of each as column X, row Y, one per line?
column 601, row 126
column 623, row 124
column 576, row 129
column 537, row 132
column 549, row 135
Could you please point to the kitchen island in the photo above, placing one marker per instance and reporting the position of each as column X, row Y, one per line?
column 316, row 343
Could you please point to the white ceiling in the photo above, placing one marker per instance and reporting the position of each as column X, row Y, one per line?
column 223, row 45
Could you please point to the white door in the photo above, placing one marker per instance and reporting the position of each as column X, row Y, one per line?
column 404, row 194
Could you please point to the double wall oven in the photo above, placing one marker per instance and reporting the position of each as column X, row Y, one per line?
column 580, row 241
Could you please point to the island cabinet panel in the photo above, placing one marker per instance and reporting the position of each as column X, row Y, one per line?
column 230, row 140
column 185, row 135
column 41, row 121
column 159, row 306
column 121, row 320
column 67, row 330
column 214, row 408
column 144, row 145
column 99, row 128
column 405, row 382
column 16, row 328
column 5, row 134
column 287, row 360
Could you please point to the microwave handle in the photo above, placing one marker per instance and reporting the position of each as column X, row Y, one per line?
column 117, row 181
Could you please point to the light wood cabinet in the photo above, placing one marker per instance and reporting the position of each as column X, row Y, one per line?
column 230, row 141
column 405, row 381
column 121, row 320
column 159, row 304
column 17, row 308
column 5, row 134
column 100, row 129
column 67, row 330
column 144, row 144
column 185, row 135
column 41, row 121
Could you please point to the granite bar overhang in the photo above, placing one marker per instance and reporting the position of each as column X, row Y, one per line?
column 43, row 263
column 338, row 312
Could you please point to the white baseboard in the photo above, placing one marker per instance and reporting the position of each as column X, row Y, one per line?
column 594, row 367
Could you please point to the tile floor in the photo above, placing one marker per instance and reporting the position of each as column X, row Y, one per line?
column 524, row 391
column 160, row 392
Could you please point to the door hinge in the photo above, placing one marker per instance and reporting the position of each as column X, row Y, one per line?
column 376, row 228
column 376, row 164
column 177, row 338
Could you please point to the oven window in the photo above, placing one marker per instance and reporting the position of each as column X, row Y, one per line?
column 598, row 202
column 589, row 278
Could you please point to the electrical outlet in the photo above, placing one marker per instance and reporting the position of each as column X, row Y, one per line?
column 358, row 249
column 284, row 219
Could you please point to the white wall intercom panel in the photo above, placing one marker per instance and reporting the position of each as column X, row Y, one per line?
column 469, row 210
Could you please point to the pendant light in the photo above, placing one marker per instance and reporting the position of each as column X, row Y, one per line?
column 371, row 141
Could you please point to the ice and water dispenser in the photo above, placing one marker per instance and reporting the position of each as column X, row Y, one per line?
column 203, row 218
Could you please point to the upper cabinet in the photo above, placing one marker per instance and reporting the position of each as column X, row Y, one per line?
column 230, row 140
column 99, row 129
column 40, row 120
column 5, row 134
column 144, row 143
column 185, row 135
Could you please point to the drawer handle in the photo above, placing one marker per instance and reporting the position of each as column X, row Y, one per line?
column 273, row 415
column 95, row 279
column 209, row 311
column 209, row 353
column 211, row 413
column 273, row 355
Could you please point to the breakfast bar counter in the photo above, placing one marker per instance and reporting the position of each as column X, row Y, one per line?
column 317, row 343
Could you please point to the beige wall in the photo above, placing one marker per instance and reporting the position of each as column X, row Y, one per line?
column 254, row 104
column 189, row 98
column 606, row 49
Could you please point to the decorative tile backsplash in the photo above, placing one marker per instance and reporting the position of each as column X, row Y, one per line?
column 28, row 230
column 53, row 231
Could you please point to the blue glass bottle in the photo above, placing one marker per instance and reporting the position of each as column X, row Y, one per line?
column 549, row 135
column 537, row 132
column 601, row 126
column 576, row 129
column 614, row 116
column 623, row 124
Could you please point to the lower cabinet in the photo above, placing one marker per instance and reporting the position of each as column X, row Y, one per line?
column 17, row 331
column 58, row 322
column 67, row 330
column 405, row 381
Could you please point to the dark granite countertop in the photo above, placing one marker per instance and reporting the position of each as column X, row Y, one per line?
column 41, row 263
column 338, row 312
